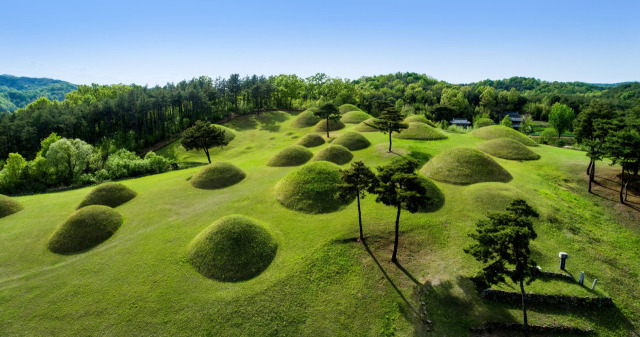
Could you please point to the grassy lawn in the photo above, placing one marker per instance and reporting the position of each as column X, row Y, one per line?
column 321, row 281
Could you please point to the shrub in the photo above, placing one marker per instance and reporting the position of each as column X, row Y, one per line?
column 293, row 155
column 353, row 141
column 464, row 166
column 9, row 206
column 337, row 154
column 311, row 140
column 217, row 175
column 108, row 194
column 84, row 229
column 311, row 189
column 232, row 249
column 501, row 131
column 507, row 148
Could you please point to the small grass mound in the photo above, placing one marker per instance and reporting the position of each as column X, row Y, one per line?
column 353, row 141
column 108, row 194
column 336, row 154
column 217, row 175
column 305, row 119
column 419, row 119
column 321, row 126
column 9, row 206
column 491, row 197
column 366, row 126
column 501, row 131
column 84, row 229
column 311, row 140
column 355, row 117
column 507, row 148
column 311, row 189
column 420, row 131
column 293, row 155
column 232, row 249
column 434, row 192
column 229, row 135
column 464, row 166
column 344, row 108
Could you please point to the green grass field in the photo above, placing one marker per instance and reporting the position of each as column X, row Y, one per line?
column 321, row 282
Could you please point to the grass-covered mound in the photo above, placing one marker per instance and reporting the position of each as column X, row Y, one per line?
column 464, row 166
column 435, row 193
column 232, row 249
column 507, row 148
column 293, row 155
column 344, row 108
column 337, row 154
column 420, row 131
column 491, row 197
column 85, row 228
column 419, row 119
column 305, row 119
column 321, row 126
column 8, row 206
column 311, row 189
column 217, row 175
column 311, row 140
column 501, row 131
column 353, row 141
column 355, row 117
column 108, row 194
column 229, row 135
column 366, row 126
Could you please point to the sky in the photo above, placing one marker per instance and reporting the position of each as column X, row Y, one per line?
column 155, row 42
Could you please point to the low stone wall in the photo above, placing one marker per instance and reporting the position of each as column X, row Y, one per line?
column 571, row 301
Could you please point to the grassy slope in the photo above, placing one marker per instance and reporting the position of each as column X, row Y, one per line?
column 320, row 283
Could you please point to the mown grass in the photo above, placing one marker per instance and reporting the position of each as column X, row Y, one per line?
column 344, row 108
column 507, row 148
column 336, row 154
column 321, row 281
column 108, row 194
column 464, row 166
column 305, row 119
column 293, row 155
column 311, row 140
column 420, row 131
column 366, row 126
column 8, row 206
column 355, row 117
column 217, row 175
column 419, row 119
column 84, row 229
column 353, row 141
column 501, row 131
column 333, row 125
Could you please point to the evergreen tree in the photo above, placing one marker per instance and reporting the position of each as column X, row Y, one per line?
column 328, row 111
column 356, row 181
column 389, row 121
column 203, row 135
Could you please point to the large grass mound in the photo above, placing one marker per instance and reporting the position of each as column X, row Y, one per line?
column 353, row 141
column 436, row 195
column 85, row 228
column 344, row 108
column 311, row 140
column 311, row 189
column 8, row 206
column 464, row 166
column 293, row 155
column 508, row 148
column 336, row 154
column 366, row 126
column 355, row 117
column 501, row 131
column 491, row 197
column 217, row 175
column 305, row 119
column 420, row 131
column 108, row 194
column 229, row 135
column 419, row 119
column 321, row 126
column 234, row 248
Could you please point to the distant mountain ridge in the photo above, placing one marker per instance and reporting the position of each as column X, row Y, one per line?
column 17, row 92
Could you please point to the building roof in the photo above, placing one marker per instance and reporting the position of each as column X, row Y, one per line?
column 462, row 121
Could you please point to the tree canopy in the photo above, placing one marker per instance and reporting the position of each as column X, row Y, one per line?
column 203, row 136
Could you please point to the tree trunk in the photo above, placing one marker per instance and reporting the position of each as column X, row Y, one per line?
column 589, row 167
column 622, row 186
column 360, row 218
column 327, row 127
column 592, row 173
column 394, row 257
column 524, row 310
column 206, row 151
column 389, row 141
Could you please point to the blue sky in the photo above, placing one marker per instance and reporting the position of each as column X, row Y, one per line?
column 154, row 42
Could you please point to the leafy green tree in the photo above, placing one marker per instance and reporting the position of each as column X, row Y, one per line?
column 390, row 121
column 69, row 158
column 202, row 136
column 506, row 121
column 623, row 148
column 12, row 171
column 328, row 111
column 45, row 143
column 561, row 117
column 398, row 185
column 502, row 242
column 488, row 98
column 356, row 181
column 591, row 128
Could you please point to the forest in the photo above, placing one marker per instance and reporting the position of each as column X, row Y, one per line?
column 17, row 92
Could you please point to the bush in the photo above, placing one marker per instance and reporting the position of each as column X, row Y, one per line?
column 232, row 249
column 311, row 140
column 84, row 229
column 217, row 175
column 293, row 155
column 336, row 154
column 353, row 141
column 108, row 194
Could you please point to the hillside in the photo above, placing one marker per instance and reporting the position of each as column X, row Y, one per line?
column 321, row 282
column 17, row 92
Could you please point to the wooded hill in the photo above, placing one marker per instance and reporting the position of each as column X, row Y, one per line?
column 17, row 92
